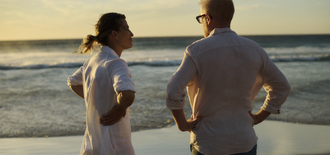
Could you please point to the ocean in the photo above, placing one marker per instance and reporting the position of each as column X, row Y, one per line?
column 35, row 100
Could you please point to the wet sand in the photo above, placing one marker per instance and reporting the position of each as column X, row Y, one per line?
column 274, row 138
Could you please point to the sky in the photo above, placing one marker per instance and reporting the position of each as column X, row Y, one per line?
column 74, row 19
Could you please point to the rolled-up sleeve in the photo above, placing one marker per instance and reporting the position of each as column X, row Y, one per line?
column 120, row 76
column 277, row 87
column 186, row 73
column 76, row 78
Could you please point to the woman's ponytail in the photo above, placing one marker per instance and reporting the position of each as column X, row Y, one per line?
column 88, row 44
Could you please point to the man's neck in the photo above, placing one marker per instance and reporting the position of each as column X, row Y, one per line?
column 222, row 25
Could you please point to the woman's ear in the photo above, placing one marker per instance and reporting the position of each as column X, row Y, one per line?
column 114, row 34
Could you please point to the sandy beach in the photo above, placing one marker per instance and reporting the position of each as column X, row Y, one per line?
column 275, row 138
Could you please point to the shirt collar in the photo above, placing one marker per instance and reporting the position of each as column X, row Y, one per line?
column 221, row 30
column 109, row 50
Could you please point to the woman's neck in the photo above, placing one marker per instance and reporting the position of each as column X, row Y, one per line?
column 116, row 48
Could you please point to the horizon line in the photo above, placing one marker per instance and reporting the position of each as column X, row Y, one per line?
column 165, row 37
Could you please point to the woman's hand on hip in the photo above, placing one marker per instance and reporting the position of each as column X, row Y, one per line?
column 113, row 116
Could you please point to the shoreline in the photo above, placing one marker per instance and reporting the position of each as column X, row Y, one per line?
column 274, row 138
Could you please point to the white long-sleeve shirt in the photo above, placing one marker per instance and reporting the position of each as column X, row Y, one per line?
column 223, row 73
column 102, row 77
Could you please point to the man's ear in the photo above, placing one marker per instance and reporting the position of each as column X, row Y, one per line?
column 208, row 19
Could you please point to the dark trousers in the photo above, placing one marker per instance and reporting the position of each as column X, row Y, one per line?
column 252, row 152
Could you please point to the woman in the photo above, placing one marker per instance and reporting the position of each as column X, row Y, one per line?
column 105, row 84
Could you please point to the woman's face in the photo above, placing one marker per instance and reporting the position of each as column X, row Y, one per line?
column 125, row 36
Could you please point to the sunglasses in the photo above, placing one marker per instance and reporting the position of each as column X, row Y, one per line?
column 200, row 17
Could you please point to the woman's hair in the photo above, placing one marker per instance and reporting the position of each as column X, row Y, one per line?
column 106, row 24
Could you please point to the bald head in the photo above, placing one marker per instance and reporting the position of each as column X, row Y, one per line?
column 220, row 10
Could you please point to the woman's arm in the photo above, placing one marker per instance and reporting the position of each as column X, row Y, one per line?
column 124, row 99
column 75, row 82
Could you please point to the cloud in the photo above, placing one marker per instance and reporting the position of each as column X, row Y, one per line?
column 64, row 7
column 142, row 6
column 247, row 7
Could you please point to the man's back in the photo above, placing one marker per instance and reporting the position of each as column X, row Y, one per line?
column 228, row 64
column 223, row 73
column 227, row 67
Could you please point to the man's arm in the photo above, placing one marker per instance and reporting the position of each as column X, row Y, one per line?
column 124, row 99
column 181, row 121
column 78, row 90
column 278, row 89
column 175, row 100
column 260, row 116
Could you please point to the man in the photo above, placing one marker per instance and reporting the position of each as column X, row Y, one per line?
column 223, row 72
